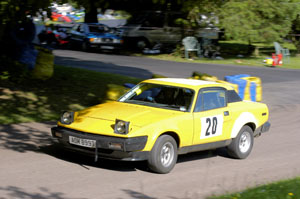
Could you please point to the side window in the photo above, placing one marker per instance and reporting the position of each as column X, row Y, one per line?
column 233, row 96
column 81, row 28
column 209, row 99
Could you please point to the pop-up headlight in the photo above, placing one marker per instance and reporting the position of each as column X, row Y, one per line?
column 121, row 127
column 67, row 117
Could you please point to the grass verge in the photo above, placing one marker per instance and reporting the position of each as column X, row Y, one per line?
column 293, row 63
column 288, row 189
column 69, row 89
column 231, row 51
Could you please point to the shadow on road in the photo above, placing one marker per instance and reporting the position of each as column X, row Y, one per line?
column 137, row 195
column 36, row 137
column 25, row 136
column 16, row 192
column 202, row 155
column 101, row 66
column 85, row 161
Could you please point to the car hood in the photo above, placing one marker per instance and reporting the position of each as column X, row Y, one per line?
column 137, row 115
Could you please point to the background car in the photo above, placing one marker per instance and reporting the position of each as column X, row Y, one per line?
column 146, row 29
column 161, row 118
column 55, row 35
column 94, row 36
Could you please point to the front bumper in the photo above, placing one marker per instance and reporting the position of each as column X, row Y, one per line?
column 106, row 46
column 130, row 149
column 262, row 129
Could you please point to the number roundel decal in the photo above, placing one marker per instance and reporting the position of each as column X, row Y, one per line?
column 211, row 126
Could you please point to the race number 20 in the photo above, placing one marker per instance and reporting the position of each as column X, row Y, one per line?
column 211, row 126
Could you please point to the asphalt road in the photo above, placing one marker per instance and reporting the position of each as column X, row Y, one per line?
column 32, row 166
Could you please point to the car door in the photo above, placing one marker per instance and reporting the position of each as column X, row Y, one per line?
column 77, row 34
column 211, row 116
column 152, row 28
column 172, row 29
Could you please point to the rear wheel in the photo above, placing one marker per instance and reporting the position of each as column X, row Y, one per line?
column 163, row 156
column 242, row 145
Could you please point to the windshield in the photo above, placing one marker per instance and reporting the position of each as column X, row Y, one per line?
column 98, row 29
column 162, row 96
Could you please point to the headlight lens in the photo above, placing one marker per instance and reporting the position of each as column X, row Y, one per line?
column 95, row 40
column 67, row 118
column 121, row 127
column 116, row 41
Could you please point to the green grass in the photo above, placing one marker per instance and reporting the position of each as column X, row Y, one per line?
column 288, row 189
column 230, row 50
column 69, row 89
column 294, row 62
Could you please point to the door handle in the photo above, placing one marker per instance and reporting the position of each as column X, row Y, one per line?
column 226, row 113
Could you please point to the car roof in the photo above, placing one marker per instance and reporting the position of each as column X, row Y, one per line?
column 188, row 83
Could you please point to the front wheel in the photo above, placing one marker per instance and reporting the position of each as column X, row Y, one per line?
column 163, row 156
column 242, row 145
column 85, row 47
column 142, row 43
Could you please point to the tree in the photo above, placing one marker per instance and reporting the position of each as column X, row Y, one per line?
column 12, row 14
column 196, row 9
column 295, row 31
column 256, row 20
column 130, row 6
column 15, row 11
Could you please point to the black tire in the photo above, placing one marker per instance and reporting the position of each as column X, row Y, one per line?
column 85, row 47
column 242, row 145
column 163, row 155
column 142, row 43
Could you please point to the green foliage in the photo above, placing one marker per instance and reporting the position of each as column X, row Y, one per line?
column 256, row 20
column 295, row 32
column 12, row 70
column 289, row 189
column 14, row 11
column 68, row 89
column 203, row 6
column 194, row 10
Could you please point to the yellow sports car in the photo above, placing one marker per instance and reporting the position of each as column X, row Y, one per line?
column 160, row 118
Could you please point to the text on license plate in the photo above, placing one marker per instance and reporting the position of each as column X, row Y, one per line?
column 107, row 47
column 82, row 142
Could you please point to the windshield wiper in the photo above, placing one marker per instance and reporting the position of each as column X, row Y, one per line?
column 173, row 106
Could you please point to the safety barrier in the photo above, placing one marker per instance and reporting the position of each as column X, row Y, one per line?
column 253, row 89
column 249, row 88
column 203, row 76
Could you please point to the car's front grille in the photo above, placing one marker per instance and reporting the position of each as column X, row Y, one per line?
column 107, row 40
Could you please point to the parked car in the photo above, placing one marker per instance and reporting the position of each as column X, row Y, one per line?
column 144, row 30
column 57, row 35
column 160, row 118
column 95, row 36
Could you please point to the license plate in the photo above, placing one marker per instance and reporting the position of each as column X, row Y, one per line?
column 107, row 47
column 82, row 142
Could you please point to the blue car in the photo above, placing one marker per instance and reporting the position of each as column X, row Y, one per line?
column 89, row 36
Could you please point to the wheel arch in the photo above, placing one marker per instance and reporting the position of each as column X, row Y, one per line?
column 251, row 125
column 143, row 38
column 172, row 134
column 246, row 118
